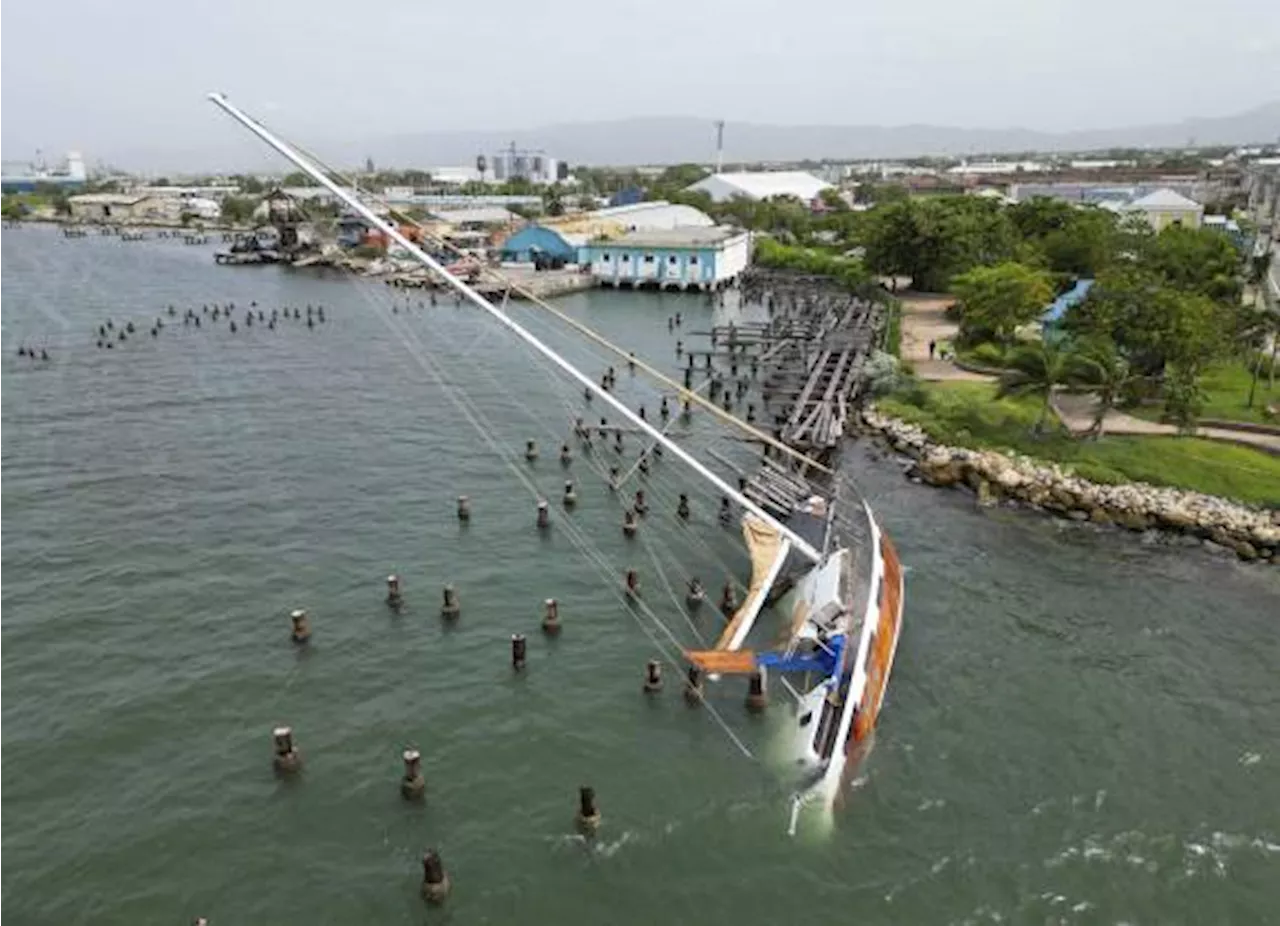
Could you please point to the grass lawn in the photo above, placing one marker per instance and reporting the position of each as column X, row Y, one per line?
column 968, row 415
column 1226, row 391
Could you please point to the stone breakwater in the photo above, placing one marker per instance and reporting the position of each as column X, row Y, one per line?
column 1253, row 533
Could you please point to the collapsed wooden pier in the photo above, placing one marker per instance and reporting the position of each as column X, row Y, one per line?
column 810, row 361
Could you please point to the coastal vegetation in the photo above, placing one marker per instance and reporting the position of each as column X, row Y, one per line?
column 848, row 271
column 976, row 415
column 45, row 196
column 237, row 210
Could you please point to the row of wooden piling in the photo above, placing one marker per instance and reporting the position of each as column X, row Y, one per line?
column 187, row 236
column 287, row 757
column 436, row 885
column 108, row 335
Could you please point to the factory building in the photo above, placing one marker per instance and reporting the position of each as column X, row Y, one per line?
column 676, row 258
column 520, row 164
column 561, row 239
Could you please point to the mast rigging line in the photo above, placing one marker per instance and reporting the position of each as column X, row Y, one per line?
column 589, row 550
column 513, row 286
column 655, row 486
column 285, row 149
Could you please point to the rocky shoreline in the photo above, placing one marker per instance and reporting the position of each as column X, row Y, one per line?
column 1251, row 533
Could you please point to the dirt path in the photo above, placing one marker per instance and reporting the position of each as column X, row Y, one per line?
column 924, row 320
column 1076, row 411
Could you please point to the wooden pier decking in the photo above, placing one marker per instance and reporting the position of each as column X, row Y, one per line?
column 809, row 360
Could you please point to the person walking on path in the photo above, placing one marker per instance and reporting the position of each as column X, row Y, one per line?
column 933, row 346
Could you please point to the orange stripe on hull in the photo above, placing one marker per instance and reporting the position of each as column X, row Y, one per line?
column 888, row 625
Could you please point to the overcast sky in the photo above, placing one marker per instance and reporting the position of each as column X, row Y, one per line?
column 115, row 78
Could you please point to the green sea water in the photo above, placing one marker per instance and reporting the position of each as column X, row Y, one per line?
column 1081, row 727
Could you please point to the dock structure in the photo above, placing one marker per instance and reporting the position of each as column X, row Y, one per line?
column 809, row 358
column 808, row 361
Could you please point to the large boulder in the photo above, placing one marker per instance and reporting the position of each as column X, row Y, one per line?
column 1244, row 549
column 1176, row 518
column 1133, row 520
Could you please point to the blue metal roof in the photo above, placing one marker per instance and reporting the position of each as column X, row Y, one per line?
column 1072, row 297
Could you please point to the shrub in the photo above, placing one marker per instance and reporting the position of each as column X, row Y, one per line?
column 988, row 354
column 884, row 373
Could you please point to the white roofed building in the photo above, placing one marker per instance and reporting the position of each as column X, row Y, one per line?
column 477, row 217
column 656, row 214
column 1165, row 207
column 455, row 176
column 761, row 185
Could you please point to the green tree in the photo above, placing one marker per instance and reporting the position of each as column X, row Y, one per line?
column 517, row 186
column 1076, row 241
column 1196, row 259
column 237, row 210
column 698, row 200
column 1038, row 369
column 1183, row 397
column 298, row 178
column 881, row 194
column 1001, row 298
column 675, row 179
column 1126, row 307
column 1193, row 336
column 832, row 199
column 1041, row 215
column 933, row 240
column 552, row 200
column 248, row 184
column 1195, row 331
column 1084, row 247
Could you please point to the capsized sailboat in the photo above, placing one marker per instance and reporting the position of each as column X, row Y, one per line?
column 846, row 598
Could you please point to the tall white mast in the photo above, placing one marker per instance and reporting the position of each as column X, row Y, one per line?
column 287, row 150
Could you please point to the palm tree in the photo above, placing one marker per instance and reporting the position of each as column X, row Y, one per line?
column 1037, row 369
column 1102, row 367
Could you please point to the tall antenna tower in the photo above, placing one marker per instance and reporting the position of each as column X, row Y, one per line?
column 719, row 146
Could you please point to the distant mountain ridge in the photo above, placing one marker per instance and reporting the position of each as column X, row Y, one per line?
column 667, row 140
column 675, row 139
